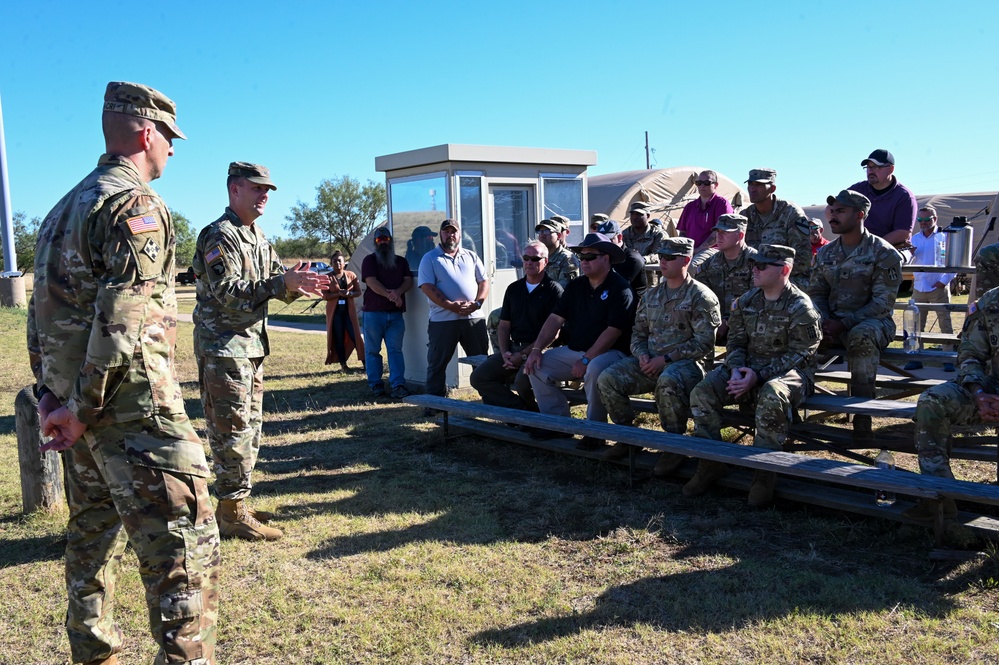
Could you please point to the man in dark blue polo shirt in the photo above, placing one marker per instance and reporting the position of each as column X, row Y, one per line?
column 595, row 314
column 526, row 306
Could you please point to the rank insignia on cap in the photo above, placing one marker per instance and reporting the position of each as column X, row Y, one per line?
column 213, row 255
column 151, row 249
column 143, row 224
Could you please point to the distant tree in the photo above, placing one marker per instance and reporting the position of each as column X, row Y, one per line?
column 187, row 240
column 345, row 211
column 299, row 248
column 25, row 239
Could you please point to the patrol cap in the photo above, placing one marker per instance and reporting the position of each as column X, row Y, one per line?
column 549, row 224
column 609, row 228
column 450, row 224
column 598, row 218
column 383, row 232
column 762, row 175
column 142, row 101
column 731, row 222
column 678, row 246
column 424, row 232
column 851, row 199
column 255, row 173
column 639, row 206
column 879, row 157
column 564, row 221
column 774, row 255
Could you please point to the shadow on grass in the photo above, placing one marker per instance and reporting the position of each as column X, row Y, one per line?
column 15, row 552
column 759, row 587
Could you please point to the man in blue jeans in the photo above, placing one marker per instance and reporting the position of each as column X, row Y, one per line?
column 387, row 277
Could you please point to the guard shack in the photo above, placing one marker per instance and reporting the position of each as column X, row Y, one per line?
column 499, row 194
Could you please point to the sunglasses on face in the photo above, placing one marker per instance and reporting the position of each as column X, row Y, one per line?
column 668, row 257
column 924, row 219
column 533, row 259
column 756, row 265
column 589, row 257
column 382, row 239
column 704, row 183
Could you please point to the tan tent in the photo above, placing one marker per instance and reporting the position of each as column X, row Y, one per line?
column 668, row 190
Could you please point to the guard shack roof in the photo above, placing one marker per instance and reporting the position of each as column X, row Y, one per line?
column 478, row 156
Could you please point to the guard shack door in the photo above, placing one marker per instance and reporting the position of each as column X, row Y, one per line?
column 514, row 218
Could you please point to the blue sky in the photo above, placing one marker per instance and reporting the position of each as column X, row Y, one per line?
column 315, row 90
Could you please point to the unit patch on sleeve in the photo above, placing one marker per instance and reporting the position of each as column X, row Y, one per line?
column 151, row 249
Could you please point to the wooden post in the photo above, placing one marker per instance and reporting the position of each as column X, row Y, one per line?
column 41, row 473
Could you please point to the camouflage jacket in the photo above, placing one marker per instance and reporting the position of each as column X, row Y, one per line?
column 859, row 284
column 727, row 279
column 776, row 337
column 986, row 269
column 647, row 244
column 238, row 273
column 102, row 322
column 682, row 320
column 785, row 225
column 562, row 267
column 978, row 352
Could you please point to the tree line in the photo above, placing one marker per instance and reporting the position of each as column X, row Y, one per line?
column 343, row 213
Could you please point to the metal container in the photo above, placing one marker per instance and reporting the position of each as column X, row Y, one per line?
column 959, row 243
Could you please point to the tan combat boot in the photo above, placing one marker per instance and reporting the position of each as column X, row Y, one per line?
column 667, row 464
column 236, row 521
column 927, row 510
column 761, row 492
column 705, row 476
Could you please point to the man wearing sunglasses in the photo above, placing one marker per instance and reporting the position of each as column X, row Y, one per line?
column 855, row 281
column 561, row 264
column 526, row 306
column 641, row 236
column 774, row 221
column 673, row 334
column 595, row 315
column 387, row 277
column 892, row 215
column 770, row 362
column 727, row 273
column 700, row 215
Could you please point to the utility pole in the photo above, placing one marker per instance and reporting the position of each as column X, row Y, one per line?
column 648, row 162
column 11, row 281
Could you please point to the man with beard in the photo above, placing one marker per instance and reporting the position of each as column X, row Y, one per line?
column 562, row 264
column 893, row 206
column 526, row 306
column 387, row 277
column 454, row 280
column 774, row 221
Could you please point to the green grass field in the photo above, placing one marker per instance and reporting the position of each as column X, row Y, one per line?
column 403, row 547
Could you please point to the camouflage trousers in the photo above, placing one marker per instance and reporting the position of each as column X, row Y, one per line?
column 671, row 388
column 937, row 410
column 774, row 400
column 142, row 482
column 864, row 343
column 232, row 394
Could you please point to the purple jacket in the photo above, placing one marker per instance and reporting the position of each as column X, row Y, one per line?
column 893, row 210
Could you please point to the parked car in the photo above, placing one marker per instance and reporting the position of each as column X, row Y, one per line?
column 187, row 277
column 320, row 267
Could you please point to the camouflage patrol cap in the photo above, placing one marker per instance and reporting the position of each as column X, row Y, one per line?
column 774, row 255
column 142, row 101
column 549, row 224
column 609, row 228
column 850, row 199
column 678, row 246
column 598, row 218
column 639, row 206
column 762, row 175
column 255, row 173
column 563, row 221
column 730, row 222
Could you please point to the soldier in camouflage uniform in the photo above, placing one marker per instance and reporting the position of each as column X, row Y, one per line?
column 986, row 269
column 727, row 273
column 101, row 336
column 563, row 267
column 770, row 361
column 774, row 221
column 972, row 398
column 238, row 273
column 855, row 281
column 674, row 331
column 641, row 236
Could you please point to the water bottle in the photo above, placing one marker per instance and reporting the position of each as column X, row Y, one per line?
column 910, row 327
column 941, row 254
column 884, row 498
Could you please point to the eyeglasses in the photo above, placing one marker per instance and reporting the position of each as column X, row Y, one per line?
column 925, row 219
column 533, row 259
column 872, row 167
column 589, row 257
column 704, row 183
column 756, row 265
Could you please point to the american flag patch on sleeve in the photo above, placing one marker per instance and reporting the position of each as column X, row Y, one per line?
column 213, row 255
column 143, row 224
